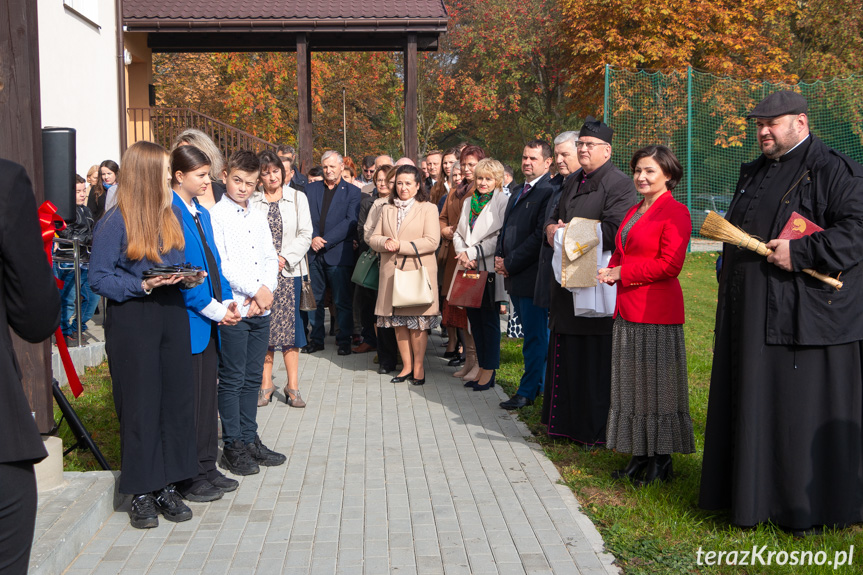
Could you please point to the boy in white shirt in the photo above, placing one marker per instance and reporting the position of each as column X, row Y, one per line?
column 251, row 266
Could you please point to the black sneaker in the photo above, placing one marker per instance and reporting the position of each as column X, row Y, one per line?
column 202, row 492
column 170, row 504
column 226, row 484
column 143, row 514
column 263, row 455
column 236, row 459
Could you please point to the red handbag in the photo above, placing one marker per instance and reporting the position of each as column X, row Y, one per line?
column 468, row 286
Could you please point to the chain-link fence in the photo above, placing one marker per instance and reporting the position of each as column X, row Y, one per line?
column 702, row 118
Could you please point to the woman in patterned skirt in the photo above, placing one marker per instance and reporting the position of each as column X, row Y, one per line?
column 649, row 413
column 291, row 226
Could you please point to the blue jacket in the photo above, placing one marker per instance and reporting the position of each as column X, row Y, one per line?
column 200, row 296
column 341, row 224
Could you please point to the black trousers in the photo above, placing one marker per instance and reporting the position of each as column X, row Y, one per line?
column 367, row 299
column 17, row 516
column 485, row 327
column 205, row 371
column 150, row 357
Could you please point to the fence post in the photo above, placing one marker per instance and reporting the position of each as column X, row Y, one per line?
column 605, row 104
column 689, row 144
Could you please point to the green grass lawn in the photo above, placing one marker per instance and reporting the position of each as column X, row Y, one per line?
column 656, row 529
column 659, row 528
column 95, row 409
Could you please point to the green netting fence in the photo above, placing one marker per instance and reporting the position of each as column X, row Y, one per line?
column 702, row 118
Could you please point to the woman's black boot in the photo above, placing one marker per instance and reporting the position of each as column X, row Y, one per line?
column 658, row 469
column 633, row 469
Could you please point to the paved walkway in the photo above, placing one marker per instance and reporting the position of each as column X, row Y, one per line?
column 380, row 478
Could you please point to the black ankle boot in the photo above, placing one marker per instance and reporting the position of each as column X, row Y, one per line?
column 633, row 470
column 658, row 469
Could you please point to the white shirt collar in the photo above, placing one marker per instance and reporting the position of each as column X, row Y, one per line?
column 533, row 182
column 240, row 209
column 189, row 206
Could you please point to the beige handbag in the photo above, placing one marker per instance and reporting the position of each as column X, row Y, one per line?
column 412, row 288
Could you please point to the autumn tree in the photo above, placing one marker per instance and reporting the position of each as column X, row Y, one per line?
column 726, row 37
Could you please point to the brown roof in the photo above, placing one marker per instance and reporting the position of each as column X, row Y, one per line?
column 270, row 13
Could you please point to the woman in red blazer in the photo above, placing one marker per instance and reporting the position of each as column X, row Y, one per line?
column 649, row 414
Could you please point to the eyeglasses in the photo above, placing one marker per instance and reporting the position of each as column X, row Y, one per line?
column 590, row 145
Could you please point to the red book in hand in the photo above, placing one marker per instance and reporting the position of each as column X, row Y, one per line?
column 797, row 226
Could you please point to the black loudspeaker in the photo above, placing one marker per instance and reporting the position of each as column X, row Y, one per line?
column 58, row 167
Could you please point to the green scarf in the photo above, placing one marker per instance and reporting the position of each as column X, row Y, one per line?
column 477, row 203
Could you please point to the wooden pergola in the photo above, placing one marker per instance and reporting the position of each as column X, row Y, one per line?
column 302, row 26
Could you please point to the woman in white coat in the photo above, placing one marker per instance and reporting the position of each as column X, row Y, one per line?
column 290, row 223
column 475, row 240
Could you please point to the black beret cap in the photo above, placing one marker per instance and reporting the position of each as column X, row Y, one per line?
column 597, row 129
column 780, row 104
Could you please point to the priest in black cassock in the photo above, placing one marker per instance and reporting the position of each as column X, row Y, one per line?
column 784, row 438
column 578, row 369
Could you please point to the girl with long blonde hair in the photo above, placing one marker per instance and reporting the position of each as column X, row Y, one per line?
column 147, row 336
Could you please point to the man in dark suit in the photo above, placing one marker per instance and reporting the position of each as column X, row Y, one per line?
column 335, row 206
column 517, row 260
column 30, row 305
column 288, row 154
column 566, row 160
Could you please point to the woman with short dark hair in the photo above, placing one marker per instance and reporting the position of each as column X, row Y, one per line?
column 290, row 221
column 649, row 413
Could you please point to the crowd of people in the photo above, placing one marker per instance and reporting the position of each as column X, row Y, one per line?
column 398, row 251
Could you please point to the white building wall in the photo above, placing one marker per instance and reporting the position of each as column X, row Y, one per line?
column 78, row 75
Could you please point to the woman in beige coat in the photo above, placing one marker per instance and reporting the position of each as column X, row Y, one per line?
column 407, row 235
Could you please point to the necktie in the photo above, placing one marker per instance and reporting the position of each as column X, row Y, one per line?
column 524, row 190
column 212, row 266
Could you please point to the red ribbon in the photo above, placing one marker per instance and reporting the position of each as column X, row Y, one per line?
column 50, row 223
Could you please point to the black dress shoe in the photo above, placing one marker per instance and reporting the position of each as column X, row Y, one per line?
column 143, row 514
column 658, row 469
column 226, row 484
column 450, row 354
column 313, row 347
column 415, row 381
column 345, row 349
column 516, row 402
column 456, row 361
column 633, row 470
column 169, row 504
column 401, row 378
column 384, row 370
column 202, row 492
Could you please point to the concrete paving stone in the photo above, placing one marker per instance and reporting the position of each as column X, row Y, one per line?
column 429, row 564
column 108, row 568
column 454, row 556
column 86, row 561
column 118, row 553
column 192, row 561
column 219, row 567
column 325, row 549
column 376, row 548
column 510, row 569
column 376, row 565
column 221, row 553
column 269, row 566
column 323, row 566
column 323, row 534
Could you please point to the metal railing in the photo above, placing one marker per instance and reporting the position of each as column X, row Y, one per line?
column 163, row 125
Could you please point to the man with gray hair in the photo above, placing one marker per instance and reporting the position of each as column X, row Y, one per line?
column 566, row 160
column 334, row 205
